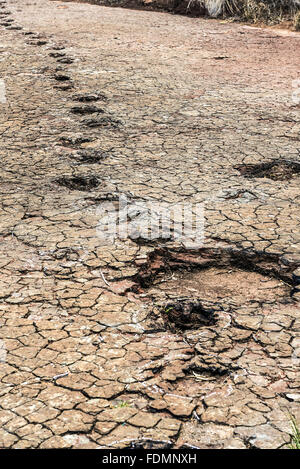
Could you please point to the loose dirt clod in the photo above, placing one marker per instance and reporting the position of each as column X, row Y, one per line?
column 185, row 314
column 67, row 87
column 65, row 60
column 37, row 43
column 276, row 170
column 89, row 97
column 79, row 183
column 86, row 110
column 74, row 140
column 150, row 444
column 61, row 77
column 101, row 122
column 57, row 55
column 89, row 156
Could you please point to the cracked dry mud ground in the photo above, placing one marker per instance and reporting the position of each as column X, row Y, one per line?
column 140, row 344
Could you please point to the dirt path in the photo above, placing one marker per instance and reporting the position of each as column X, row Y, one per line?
column 146, row 343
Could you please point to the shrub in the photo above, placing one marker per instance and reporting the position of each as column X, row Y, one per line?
column 269, row 11
column 297, row 21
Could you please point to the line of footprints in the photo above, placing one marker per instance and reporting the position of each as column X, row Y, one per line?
column 85, row 106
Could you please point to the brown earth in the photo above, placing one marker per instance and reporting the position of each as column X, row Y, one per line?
column 147, row 342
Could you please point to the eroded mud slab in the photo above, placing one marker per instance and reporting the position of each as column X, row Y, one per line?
column 131, row 343
column 234, row 287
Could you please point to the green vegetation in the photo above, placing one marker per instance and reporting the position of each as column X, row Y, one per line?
column 122, row 404
column 295, row 443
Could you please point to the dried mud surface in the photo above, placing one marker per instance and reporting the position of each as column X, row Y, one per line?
column 140, row 344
